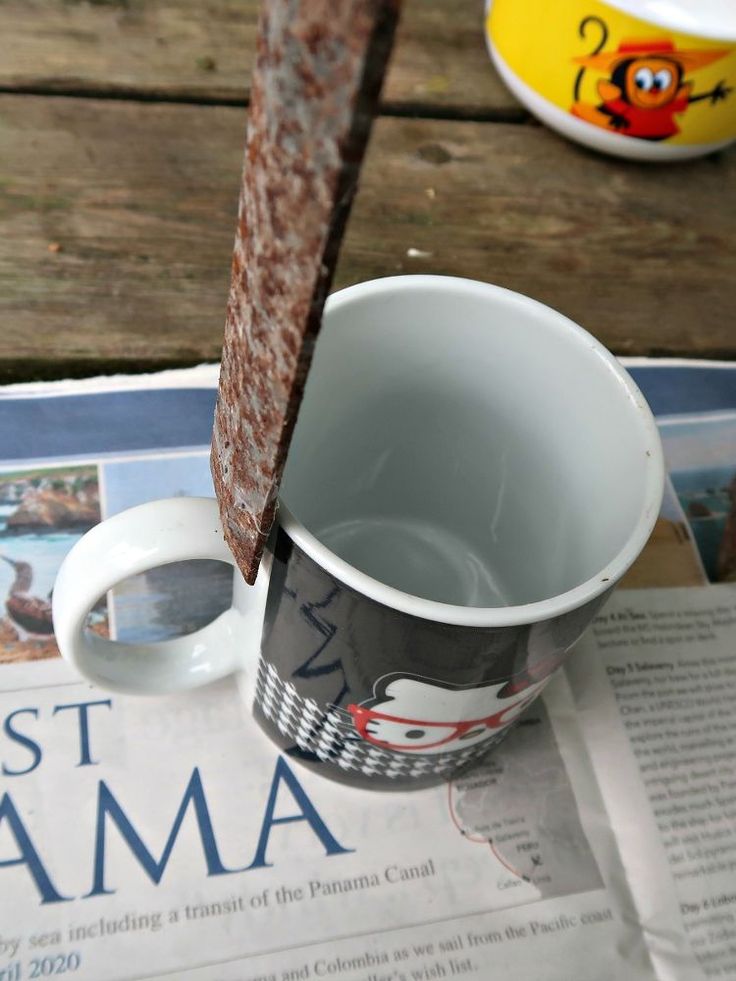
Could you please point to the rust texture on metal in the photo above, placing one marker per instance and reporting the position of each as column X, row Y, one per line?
column 315, row 89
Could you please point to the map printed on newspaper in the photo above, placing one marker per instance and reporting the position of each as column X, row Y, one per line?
column 167, row 837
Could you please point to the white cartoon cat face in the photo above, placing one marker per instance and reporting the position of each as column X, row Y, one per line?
column 421, row 716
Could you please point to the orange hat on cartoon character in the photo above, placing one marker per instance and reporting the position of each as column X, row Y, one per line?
column 689, row 59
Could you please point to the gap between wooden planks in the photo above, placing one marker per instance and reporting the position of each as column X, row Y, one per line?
column 117, row 221
column 189, row 50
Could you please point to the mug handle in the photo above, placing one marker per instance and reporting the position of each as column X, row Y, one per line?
column 125, row 545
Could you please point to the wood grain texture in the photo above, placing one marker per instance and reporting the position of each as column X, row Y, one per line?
column 139, row 204
column 189, row 49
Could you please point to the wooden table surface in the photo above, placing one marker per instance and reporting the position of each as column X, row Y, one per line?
column 121, row 132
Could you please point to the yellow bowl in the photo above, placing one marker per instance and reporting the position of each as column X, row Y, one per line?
column 636, row 78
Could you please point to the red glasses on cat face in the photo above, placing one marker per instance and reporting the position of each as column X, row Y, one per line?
column 415, row 735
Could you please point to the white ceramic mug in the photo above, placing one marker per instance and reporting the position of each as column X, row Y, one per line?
column 645, row 79
column 470, row 475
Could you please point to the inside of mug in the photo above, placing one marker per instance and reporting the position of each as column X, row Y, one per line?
column 466, row 445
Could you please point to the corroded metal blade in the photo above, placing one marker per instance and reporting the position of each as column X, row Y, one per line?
column 316, row 84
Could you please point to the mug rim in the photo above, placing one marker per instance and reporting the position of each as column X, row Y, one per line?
column 500, row 616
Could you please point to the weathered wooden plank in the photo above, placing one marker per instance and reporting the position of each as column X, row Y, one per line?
column 189, row 49
column 315, row 91
column 117, row 221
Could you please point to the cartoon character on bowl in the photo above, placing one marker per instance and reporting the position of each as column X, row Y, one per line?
column 645, row 87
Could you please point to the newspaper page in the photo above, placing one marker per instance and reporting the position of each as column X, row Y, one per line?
column 655, row 682
column 655, row 685
column 144, row 838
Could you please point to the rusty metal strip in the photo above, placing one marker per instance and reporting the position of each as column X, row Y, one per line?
column 318, row 75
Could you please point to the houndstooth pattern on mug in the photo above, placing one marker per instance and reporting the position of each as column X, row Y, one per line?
column 331, row 735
